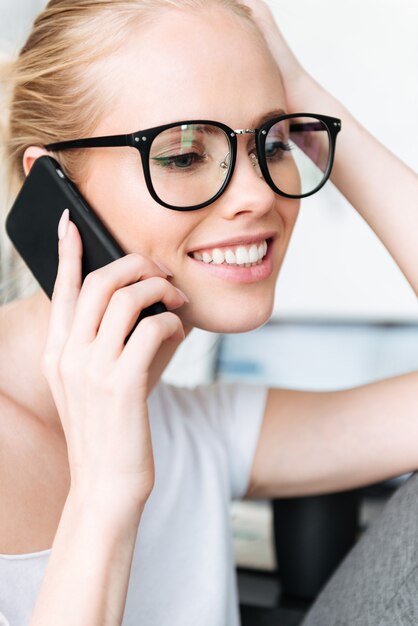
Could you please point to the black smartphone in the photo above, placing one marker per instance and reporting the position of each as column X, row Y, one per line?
column 32, row 225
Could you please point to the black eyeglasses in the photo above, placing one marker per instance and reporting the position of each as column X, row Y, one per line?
column 188, row 165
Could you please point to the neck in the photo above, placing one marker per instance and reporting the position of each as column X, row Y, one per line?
column 23, row 331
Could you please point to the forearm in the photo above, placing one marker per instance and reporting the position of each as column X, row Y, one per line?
column 382, row 189
column 87, row 576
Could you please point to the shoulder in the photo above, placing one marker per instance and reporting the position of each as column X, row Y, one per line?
column 27, row 446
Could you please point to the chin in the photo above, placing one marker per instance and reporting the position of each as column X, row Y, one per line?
column 230, row 320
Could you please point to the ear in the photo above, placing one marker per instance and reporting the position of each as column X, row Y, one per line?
column 31, row 154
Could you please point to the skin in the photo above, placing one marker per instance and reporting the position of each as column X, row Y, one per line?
column 248, row 206
column 346, row 438
column 116, row 189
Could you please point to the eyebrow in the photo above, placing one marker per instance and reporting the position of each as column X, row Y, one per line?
column 259, row 121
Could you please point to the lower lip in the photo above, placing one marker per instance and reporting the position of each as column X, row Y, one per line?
column 238, row 274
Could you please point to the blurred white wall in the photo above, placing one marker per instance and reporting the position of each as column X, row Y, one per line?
column 16, row 17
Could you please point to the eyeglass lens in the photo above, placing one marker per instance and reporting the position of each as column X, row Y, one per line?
column 297, row 154
column 189, row 163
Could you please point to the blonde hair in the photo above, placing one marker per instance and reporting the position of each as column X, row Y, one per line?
column 48, row 96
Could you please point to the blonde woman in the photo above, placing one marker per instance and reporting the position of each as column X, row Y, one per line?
column 115, row 488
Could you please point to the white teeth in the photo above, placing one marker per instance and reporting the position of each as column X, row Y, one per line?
column 243, row 255
column 230, row 257
column 218, row 256
column 253, row 254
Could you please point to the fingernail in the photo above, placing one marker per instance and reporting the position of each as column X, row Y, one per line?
column 63, row 224
column 186, row 299
column 163, row 268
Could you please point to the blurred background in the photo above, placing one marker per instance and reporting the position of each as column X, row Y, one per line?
column 344, row 314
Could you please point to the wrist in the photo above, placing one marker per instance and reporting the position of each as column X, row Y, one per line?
column 110, row 506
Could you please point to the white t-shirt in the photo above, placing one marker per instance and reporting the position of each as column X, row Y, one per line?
column 183, row 570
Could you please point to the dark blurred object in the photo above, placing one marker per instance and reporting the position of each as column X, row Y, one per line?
column 312, row 536
column 261, row 616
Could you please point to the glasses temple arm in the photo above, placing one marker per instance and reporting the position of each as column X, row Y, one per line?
column 94, row 142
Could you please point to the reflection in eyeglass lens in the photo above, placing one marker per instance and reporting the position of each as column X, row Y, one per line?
column 186, row 163
column 301, row 153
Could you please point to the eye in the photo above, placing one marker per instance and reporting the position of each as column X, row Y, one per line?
column 276, row 149
column 180, row 161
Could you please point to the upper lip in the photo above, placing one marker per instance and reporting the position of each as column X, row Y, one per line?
column 235, row 241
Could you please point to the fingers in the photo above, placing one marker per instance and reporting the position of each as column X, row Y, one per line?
column 124, row 308
column 99, row 287
column 135, row 360
column 100, row 312
column 66, row 288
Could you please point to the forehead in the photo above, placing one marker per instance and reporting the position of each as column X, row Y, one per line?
column 190, row 66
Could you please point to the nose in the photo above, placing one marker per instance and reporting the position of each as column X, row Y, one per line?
column 247, row 192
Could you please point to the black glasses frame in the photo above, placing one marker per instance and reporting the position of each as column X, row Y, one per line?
column 142, row 141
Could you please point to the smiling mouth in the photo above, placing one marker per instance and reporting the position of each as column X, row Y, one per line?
column 241, row 256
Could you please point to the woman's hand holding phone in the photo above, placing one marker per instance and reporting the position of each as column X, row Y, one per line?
column 98, row 382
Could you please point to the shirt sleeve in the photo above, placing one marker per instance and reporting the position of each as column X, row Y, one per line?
column 235, row 412
column 230, row 414
column 241, row 423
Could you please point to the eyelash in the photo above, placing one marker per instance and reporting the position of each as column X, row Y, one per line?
column 167, row 162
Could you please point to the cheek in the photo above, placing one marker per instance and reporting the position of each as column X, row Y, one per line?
column 286, row 176
column 117, row 192
column 288, row 210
